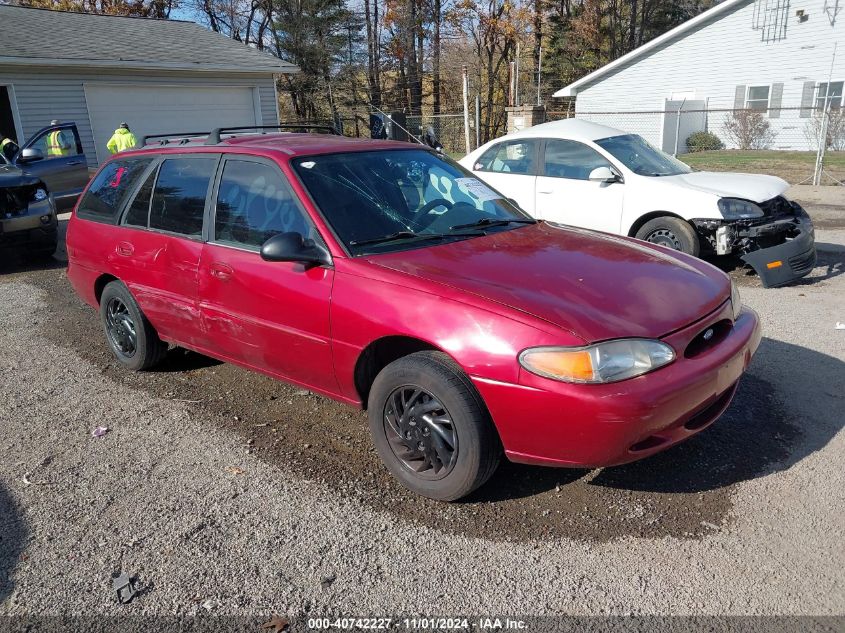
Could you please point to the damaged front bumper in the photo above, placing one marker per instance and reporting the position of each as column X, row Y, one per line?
column 780, row 249
column 33, row 228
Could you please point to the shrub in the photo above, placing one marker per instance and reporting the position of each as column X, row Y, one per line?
column 749, row 129
column 835, row 130
column 704, row 142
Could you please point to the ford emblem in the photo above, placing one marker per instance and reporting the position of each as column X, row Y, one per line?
column 708, row 334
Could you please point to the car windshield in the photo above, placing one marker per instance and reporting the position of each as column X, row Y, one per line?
column 390, row 200
column 640, row 157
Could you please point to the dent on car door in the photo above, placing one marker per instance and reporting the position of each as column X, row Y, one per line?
column 56, row 156
column 566, row 194
column 511, row 167
column 160, row 244
column 272, row 316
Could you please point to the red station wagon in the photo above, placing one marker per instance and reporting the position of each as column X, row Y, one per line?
column 385, row 276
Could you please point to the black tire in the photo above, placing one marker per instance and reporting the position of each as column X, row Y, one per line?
column 125, row 320
column 477, row 449
column 670, row 232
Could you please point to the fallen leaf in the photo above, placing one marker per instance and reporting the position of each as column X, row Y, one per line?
column 276, row 625
column 234, row 470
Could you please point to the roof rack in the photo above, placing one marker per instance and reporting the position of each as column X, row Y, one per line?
column 214, row 135
column 166, row 139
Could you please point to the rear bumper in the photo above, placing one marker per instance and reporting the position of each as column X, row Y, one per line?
column 545, row 422
column 786, row 262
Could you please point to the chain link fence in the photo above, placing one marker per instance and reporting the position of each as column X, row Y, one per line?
column 448, row 128
column 785, row 142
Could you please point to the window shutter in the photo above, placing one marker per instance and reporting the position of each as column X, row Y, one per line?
column 807, row 95
column 775, row 100
column 739, row 98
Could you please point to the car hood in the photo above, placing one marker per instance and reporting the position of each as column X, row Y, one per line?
column 11, row 176
column 754, row 187
column 594, row 285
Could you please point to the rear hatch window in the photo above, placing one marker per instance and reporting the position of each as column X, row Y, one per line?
column 111, row 188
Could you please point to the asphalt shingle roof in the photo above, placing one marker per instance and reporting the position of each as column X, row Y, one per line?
column 79, row 39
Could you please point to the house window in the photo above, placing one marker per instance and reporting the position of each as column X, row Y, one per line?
column 757, row 98
column 829, row 94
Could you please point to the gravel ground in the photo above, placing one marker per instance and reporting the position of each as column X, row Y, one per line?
column 228, row 493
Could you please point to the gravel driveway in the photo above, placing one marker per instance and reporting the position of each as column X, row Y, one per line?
column 225, row 493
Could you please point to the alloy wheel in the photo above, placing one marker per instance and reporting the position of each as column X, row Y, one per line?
column 121, row 328
column 420, row 432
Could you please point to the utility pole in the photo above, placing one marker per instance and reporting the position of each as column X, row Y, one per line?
column 819, row 168
column 466, row 107
column 516, row 78
column 477, row 121
column 539, row 71
column 511, row 92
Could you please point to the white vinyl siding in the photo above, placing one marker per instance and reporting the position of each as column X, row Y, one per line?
column 45, row 94
column 715, row 61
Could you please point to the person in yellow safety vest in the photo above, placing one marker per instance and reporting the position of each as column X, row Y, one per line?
column 8, row 147
column 121, row 140
column 57, row 144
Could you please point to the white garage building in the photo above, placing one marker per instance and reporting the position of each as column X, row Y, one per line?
column 160, row 76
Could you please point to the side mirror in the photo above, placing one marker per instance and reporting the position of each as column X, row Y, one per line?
column 30, row 155
column 292, row 247
column 604, row 174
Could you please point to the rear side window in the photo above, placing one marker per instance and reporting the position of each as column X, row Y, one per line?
column 138, row 213
column 510, row 157
column 178, row 199
column 109, row 189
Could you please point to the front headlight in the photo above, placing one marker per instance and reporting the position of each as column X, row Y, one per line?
column 738, row 209
column 611, row 361
column 736, row 301
column 40, row 195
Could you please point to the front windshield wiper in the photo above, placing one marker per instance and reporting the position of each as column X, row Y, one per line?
column 491, row 222
column 411, row 236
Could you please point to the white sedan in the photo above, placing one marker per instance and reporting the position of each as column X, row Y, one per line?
column 583, row 174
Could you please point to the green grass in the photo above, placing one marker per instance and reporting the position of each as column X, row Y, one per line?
column 793, row 167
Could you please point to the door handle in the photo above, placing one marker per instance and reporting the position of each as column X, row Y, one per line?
column 545, row 192
column 221, row 271
column 125, row 249
column 74, row 162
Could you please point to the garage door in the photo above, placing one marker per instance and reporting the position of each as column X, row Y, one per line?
column 166, row 109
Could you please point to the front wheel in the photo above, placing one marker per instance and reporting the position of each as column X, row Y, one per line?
column 431, row 427
column 670, row 232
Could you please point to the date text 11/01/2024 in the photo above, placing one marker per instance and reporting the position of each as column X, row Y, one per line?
column 429, row 624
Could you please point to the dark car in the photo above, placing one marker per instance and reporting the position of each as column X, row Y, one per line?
column 36, row 182
column 385, row 276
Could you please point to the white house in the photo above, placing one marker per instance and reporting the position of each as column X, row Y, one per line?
column 776, row 56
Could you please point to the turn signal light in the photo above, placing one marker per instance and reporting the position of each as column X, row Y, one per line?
column 774, row 264
column 576, row 365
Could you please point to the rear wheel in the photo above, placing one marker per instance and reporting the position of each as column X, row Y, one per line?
column 670, row 232
column 431, row 427
column 132, row 338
